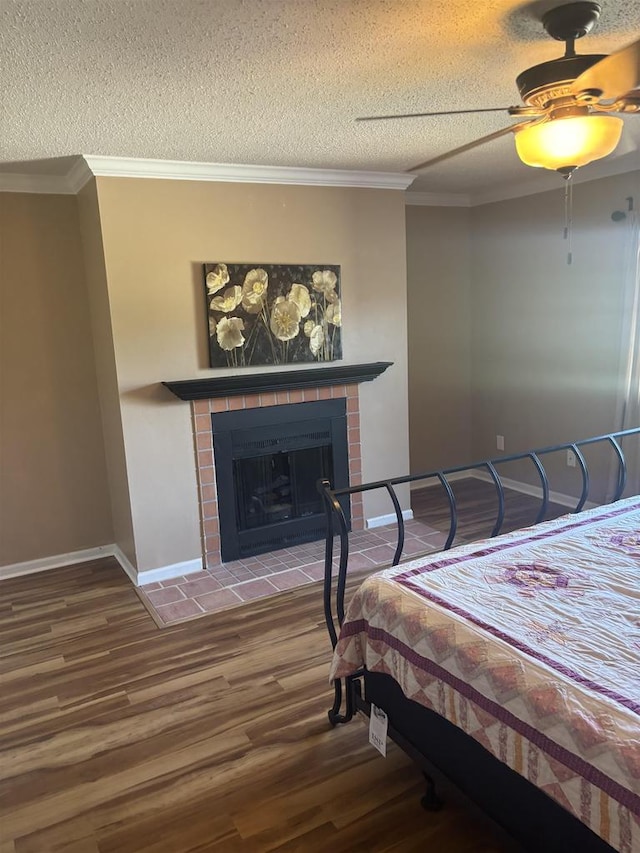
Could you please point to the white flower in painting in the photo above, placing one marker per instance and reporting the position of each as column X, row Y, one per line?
column 254, row 291
column 316, row 339
column 230, row 299
column 333, row 314
column 324, row 281
column 229, row 333
column 285, row 319
column 300, row 295
column 212, row 325
column 309, row 326
column 217, row 278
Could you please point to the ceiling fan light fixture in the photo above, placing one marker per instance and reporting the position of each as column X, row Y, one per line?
column 569, row 141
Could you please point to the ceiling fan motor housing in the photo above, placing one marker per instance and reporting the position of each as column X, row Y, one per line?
column 549, row 80
column 571, row 21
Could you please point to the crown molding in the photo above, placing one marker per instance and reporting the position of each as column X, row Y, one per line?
column 178, row 170
column 41, row 184
column 438, row 199
column 548, row 181
column 88, row 166
column 78, row 175
column 544, row 181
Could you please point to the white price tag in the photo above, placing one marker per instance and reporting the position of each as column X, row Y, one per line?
column 378, row 725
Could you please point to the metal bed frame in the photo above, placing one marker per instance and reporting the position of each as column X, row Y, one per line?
column 427, row 738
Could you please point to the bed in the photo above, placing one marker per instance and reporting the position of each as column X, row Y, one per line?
column 512, row 664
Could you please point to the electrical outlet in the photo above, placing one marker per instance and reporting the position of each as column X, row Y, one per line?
column 571, row 459
column 500, row 442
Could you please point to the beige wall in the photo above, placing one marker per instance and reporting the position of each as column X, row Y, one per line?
column 503, row 335
column 53, row 495
column 107, row 382
column 546, row 335
column 439, row 325
column 156, row 234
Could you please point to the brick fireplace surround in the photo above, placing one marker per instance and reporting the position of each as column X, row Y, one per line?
column 221, row 585
column 201, row 411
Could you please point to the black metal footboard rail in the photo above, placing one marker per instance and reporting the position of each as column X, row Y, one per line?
column 336, row 521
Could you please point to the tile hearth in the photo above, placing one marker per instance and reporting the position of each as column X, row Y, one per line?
column 230, row 584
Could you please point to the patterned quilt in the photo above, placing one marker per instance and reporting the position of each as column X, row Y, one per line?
column 530, row 642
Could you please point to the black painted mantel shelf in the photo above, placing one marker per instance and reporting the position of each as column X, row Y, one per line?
column 257, row 383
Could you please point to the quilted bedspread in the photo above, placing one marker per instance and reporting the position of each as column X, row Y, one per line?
column 530, row 642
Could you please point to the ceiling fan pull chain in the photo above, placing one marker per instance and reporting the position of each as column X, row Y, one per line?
column 568, row 215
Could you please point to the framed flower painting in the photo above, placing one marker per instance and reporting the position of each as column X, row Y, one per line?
column 273, row 313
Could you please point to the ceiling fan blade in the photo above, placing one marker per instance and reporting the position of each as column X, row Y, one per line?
column 475, row 144
column 444, row 113
column 613, row 76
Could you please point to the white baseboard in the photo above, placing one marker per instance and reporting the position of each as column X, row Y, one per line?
column 533, row 491
column 382, row 520
column 58, row 561
column 127, row 567
column 29, row 567
column 165, row 573
column 434, row 481
column 188, row 567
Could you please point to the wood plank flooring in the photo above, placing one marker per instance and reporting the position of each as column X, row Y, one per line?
column 212, row 735
column 477, row 507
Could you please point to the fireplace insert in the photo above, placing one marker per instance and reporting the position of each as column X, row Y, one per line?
column 268, row 461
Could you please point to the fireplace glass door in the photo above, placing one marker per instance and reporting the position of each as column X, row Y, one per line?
column 280, row 486
column 268, row 463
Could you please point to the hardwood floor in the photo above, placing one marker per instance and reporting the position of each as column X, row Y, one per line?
column 477, row 509
column 119, row 737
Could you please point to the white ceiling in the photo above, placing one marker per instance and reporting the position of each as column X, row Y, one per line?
column 280, row 82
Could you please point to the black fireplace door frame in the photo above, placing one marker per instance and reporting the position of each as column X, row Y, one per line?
column 250, row 433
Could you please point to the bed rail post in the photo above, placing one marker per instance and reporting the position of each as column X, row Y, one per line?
column 622, row 468
column 453, row 510
column 333, row 510
column 545, row 485
column 500, row 492
column 400, row 522
column 585, row 477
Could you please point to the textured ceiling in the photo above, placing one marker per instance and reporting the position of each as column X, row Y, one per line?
column 277, row 82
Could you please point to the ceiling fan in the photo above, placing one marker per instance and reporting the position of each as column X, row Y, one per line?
column 569, row 102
